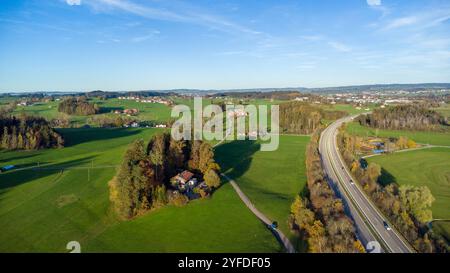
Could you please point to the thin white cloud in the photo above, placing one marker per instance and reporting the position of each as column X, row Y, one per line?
column 420, row 20
column 339, row 46
column 145, row 11
column 230, row 53
column 378, row 6
column 73, row 2
column 145, row 37
column 311, row 37
column 374, row 3
column 142, row 11
column 323, row 39
column 402, row 22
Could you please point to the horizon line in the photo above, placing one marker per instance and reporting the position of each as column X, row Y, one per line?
column 225, row 89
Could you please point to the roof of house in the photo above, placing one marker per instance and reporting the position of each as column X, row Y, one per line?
column 186, row 175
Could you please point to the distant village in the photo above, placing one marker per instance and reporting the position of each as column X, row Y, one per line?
column 382, row 98
column 161, row 100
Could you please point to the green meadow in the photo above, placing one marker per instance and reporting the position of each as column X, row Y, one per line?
column 43, row 209
column 147, row 111
column 270, row 179
column 428, row 167
column 444, row 110
column 424, row 137
column 348, row 108
column 220, row 224
column 67, row 198
column 443, row 228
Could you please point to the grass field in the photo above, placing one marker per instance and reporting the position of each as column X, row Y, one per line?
column 430, row 167
column 222, row 224
column 147, row 111
column 434, row 138
column 41, row 210
column 270, row 179
column 349, row 108
column 444, row 110
column 442, row 228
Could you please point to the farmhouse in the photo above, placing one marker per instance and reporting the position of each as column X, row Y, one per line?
column 24, row 103
column 131, row 111
column 185, row 182
column 182, row 178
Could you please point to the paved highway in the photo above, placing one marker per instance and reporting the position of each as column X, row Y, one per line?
column 368, row 220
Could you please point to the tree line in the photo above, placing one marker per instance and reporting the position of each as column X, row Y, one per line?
column 78, row 106
column 7, row 109
column 407, row 207
column 319, row 217
column 303, row 118
column 109, row 122
column 409, row 117
column 28, row 133
column 143, row 179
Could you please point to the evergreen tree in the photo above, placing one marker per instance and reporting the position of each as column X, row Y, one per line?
column 194, row 159
column 5, row 138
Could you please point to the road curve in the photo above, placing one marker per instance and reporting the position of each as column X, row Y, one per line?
column 368, row 220
column 278, row 234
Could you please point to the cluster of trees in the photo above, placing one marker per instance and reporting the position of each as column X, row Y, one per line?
column 319, row 218
column 62, row 121
column 353, row 144
column 410, row 117
column 143, row 179
column 407, row 207
column 303, row 118
column 405, row 143
column 8, row 108
column 299, row 118
column 108, row 122
column 78, row 106
column 27, row 133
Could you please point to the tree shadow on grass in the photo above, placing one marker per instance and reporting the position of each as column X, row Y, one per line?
column 75, row 136
column 17, row 156
column 386, row 178
column 106, row 110
column 15, row 178
column 235, row 157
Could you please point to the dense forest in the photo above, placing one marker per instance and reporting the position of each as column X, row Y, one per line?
column 78, row 106
column 410, row 117
column 143, row 179
column 407, row 207
column 319, row 218
column 303, row 118
column 27, row 133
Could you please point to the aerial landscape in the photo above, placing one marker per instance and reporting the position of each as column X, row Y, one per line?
column 253, row 127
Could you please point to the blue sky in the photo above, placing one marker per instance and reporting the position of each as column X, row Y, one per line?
column 212, row 44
